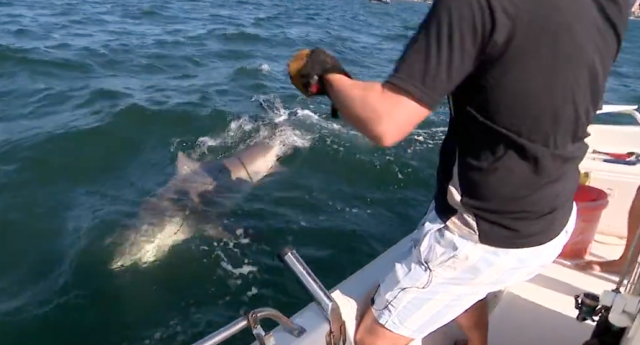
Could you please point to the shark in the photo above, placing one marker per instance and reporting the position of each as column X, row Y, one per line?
column 209, row 187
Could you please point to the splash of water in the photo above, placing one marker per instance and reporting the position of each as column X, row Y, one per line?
column 264, row 68
column 298, row 127
column 271, row 127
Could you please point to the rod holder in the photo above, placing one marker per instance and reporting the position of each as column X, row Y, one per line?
column 291, row 259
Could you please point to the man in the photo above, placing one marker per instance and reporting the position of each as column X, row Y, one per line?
column 635, row 9
column 525, row 78
column 633, row 226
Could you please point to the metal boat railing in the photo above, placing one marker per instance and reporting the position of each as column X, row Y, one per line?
column 291, row 259
column 623, row 109
column 337, row 332
column 252, row 321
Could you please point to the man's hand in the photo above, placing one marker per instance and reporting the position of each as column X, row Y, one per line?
column 382, row 113
column 307, row 70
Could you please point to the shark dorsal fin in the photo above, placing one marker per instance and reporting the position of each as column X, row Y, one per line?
column 186, row 165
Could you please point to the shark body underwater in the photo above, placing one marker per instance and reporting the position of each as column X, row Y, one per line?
column 163, row 220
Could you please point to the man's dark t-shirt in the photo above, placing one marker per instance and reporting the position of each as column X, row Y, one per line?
column 525, row 79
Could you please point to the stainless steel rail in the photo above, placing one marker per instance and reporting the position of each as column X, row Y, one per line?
column 252, row 321
column 337, row 333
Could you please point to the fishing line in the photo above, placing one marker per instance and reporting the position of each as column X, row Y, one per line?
column 245, row 169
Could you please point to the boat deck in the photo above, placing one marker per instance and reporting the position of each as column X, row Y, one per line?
column 541, row 311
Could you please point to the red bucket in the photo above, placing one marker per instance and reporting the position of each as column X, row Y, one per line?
column 590, row 202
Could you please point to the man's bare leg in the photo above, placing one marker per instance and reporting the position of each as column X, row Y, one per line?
column 371, row 332
column 616, row 266
column 474, row 322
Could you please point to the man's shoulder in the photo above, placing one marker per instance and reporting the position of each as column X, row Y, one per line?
column 594, row 27
column 553, row 13
column 556, row 13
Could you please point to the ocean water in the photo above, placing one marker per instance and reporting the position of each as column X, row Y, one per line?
column 98, row 97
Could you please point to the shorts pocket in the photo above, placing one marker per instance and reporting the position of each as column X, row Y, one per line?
column 437, row 248
column 407, row 277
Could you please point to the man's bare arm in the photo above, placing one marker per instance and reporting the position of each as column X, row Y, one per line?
column 382, row 113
